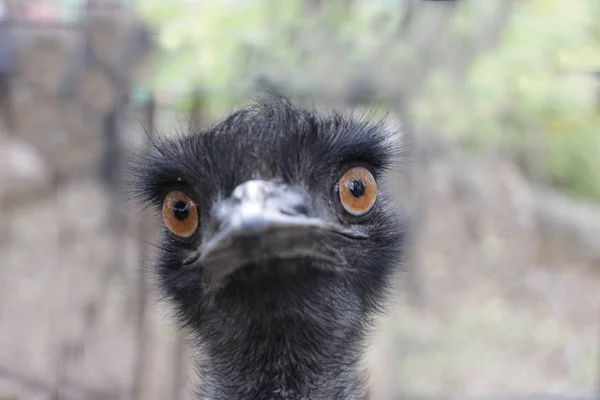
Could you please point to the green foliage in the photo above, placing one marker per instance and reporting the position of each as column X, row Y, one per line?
column 219, row 46
column 534, row 95
column 222, row 46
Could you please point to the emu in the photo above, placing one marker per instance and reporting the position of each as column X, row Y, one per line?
column 278, row 247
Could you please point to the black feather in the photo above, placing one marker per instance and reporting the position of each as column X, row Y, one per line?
column 287, row 335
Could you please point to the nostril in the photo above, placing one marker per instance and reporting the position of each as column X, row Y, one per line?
column 295, row 207
column 288, row 211
column 294, row 201
column 302, row 208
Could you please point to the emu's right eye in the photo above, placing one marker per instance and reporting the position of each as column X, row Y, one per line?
column 180, row 214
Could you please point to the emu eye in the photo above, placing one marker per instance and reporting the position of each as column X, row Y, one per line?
column 180, row 214
column 357, row 190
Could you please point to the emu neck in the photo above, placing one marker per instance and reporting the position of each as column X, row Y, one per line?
column 309, row 351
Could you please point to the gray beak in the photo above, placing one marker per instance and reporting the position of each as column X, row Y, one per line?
column 266, row 221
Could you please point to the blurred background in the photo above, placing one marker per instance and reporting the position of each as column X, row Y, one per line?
column 499, row 105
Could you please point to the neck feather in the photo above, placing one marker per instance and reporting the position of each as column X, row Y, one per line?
column 308, row 347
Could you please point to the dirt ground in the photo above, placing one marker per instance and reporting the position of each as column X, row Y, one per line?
column 510, row 298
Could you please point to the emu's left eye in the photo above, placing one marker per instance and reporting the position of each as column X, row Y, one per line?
column 357, row 190
column 180, row 214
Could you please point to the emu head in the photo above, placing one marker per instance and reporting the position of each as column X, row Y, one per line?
column 273, row 211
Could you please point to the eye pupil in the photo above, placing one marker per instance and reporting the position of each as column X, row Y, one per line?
column 357, row 188
column 181, row 210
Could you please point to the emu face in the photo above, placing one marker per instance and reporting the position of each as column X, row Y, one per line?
column 272, row 206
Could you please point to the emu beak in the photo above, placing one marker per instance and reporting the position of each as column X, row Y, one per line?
column 264, row 221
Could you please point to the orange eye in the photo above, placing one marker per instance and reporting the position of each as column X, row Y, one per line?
column 357, row 190
column 180, row 214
